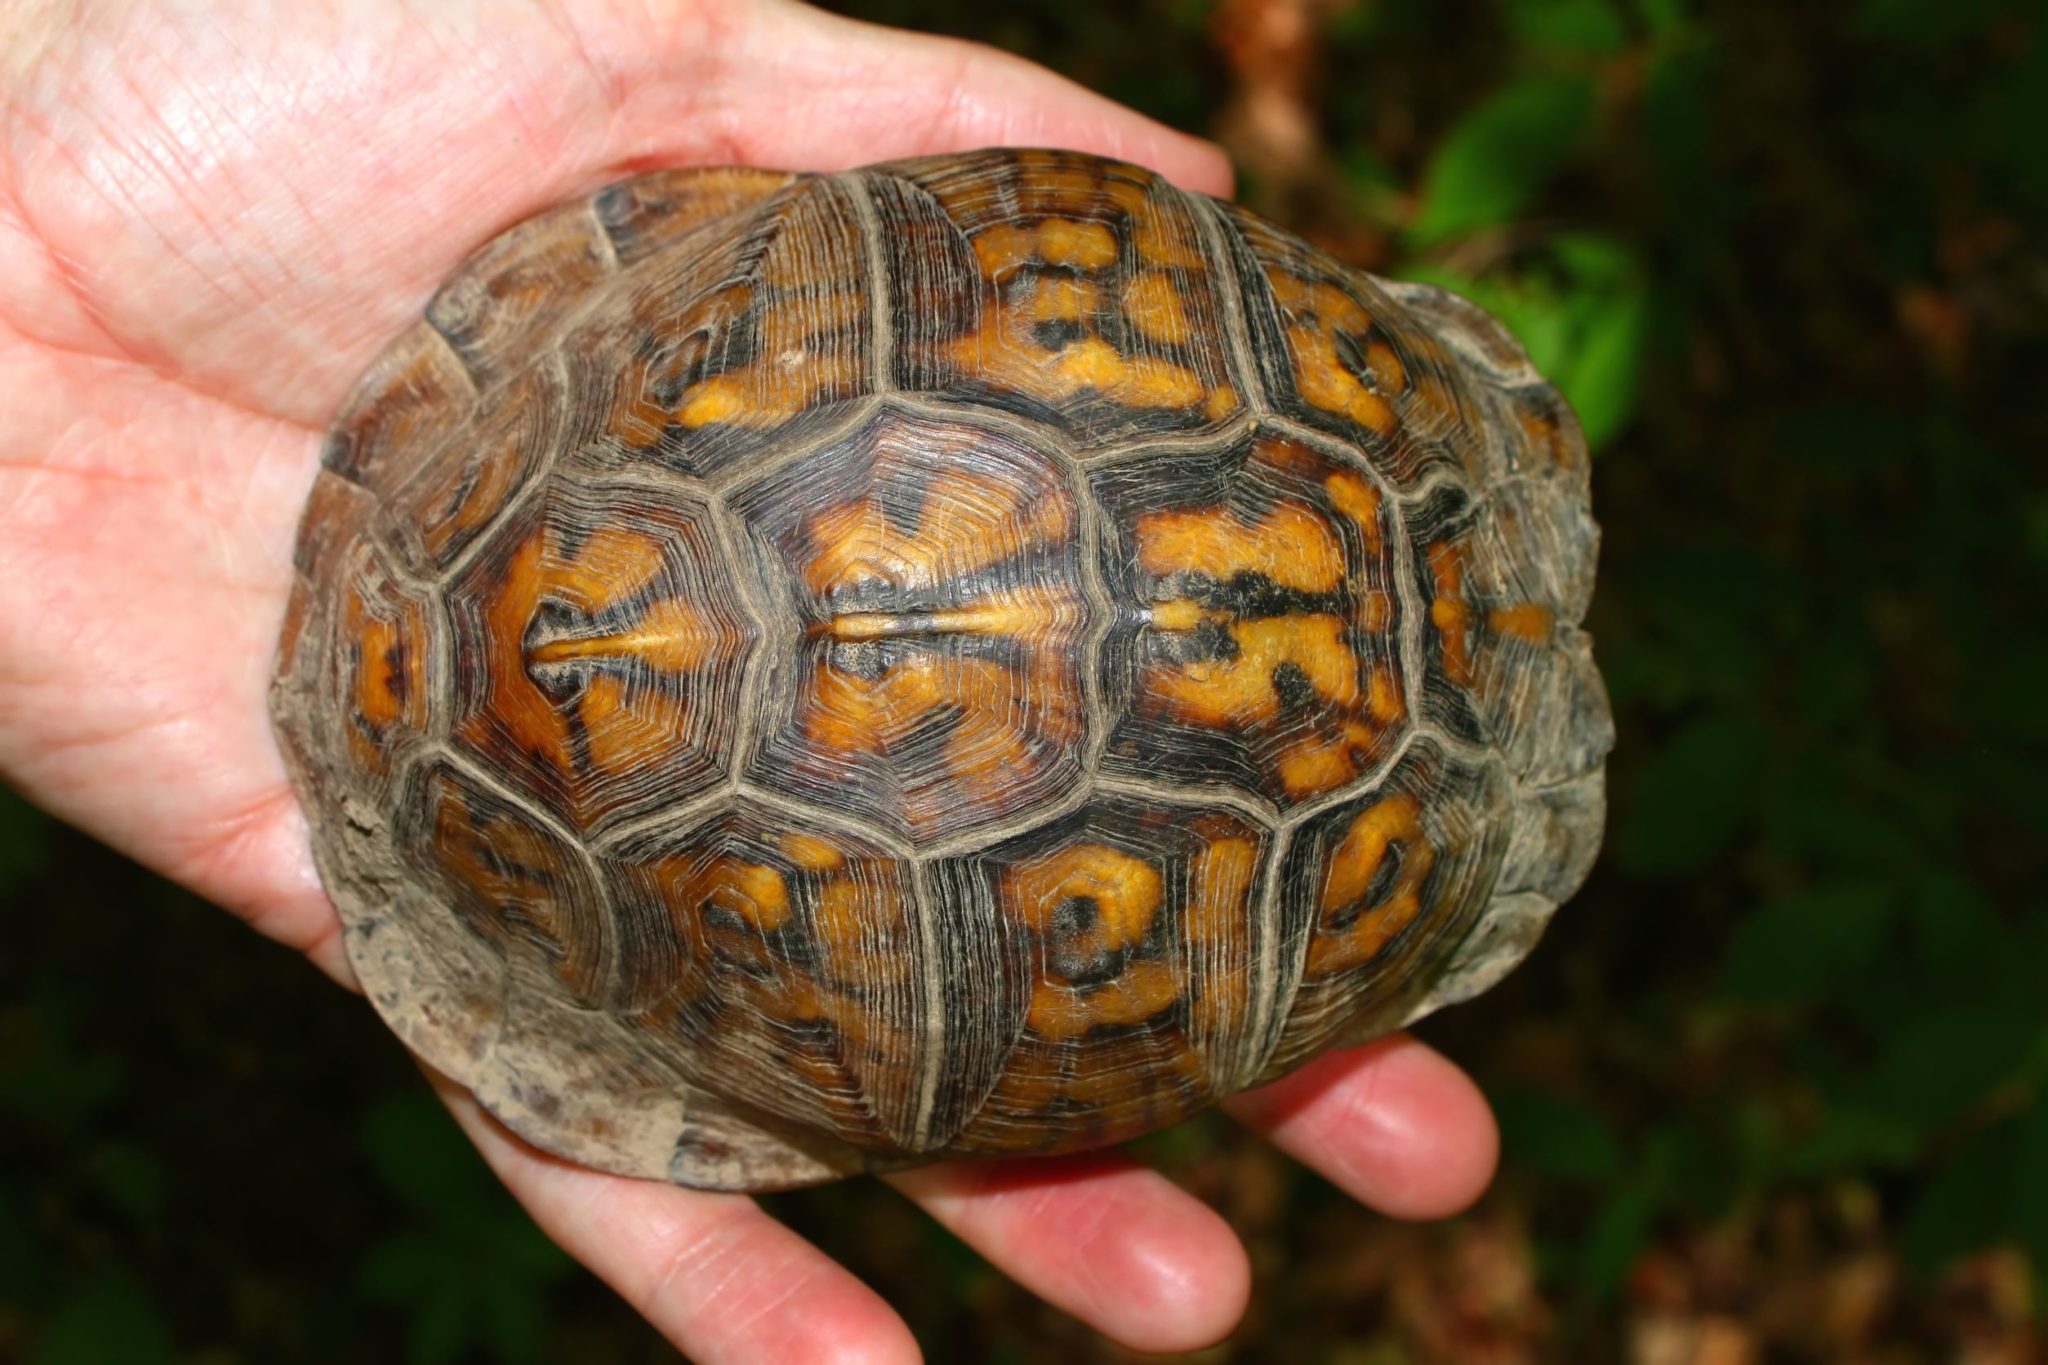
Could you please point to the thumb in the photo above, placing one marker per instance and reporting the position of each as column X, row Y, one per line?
column 807, row 90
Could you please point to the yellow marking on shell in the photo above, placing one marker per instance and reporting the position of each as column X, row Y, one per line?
column 1527, row 621
column 1127, row 892
column 755, row 893
column 671, row 638
column 1450, row 613
column 1332, row 306
column 1240, row 690
column 1067, row 242
column 1323, row 381
column 1368, row 842
column 813, row 854
column 1355, row 497
column 968, row 523
column 1027, row 613
column 1221, row 402
column 1141, row 991
column 1292, row 545
column 717, row 399
column 377, row 696
column 1160, row 245
column 1063, row 300
column 1154, row 308
column 1004, row 353
column 1387, row 370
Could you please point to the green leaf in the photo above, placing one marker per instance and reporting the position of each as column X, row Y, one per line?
column 1602, row 378
column 2030, row 1193
column 1590, row 26
column 1623, row 1227
column 1557, row 1138
column 1494, row 160
column 23, row 830
column 1794, row 948
column 424, row 1158
column 111, row 1319
column 1693, row 798
column 1963, row 1207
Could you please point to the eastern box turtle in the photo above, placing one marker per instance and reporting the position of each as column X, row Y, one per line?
column 799, row 674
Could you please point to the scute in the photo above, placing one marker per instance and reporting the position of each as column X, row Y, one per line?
column 599, row 651
column 1103, row 971
column 931, row 571
column 1055, row 286
column 1258, row 636
column 780, row 965
column 986, row 654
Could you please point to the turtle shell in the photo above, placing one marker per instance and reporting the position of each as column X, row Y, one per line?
column 799, row 674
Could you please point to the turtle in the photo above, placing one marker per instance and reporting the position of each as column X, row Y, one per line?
column 793, row 674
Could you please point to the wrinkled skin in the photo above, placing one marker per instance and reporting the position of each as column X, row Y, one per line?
column 209, row 223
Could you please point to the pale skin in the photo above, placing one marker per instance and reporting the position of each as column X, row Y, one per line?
column 210, row 220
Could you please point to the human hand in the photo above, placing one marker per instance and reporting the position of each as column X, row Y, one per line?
column 210, row 221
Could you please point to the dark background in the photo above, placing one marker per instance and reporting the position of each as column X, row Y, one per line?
column 1772, row 1087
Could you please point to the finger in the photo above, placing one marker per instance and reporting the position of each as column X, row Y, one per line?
column 1394, row 1123
column 879, row 92
column 1110, row 1242
column 720, row 1279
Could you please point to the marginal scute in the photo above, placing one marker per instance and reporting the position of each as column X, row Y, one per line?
column 384, row 647
column 501, row 300
column 800, row 674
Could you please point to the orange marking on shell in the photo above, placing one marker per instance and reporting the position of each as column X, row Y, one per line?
column 1028, row 613
column 1240, row 690
column 1355, row 497
column 1127, row 892
column 1060, row 299
column 378, row 699
column 1323, row 381
column 1450, row 613
column 968, row 524
column 1527, row 621
column 1387, row 370
column 1291, row 544
column 1383, row 699
column 1313, row 767
column 1064, row 241
column 1371, row 838
column 811, row 853
column 1154, row 308
column 757, row 894
column 519, row 707
column 1160, row 244
column 1143, row 990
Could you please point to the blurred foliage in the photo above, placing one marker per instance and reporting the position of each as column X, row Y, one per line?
column 1772, row 1088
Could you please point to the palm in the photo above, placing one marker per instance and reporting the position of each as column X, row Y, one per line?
column 207, row 228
